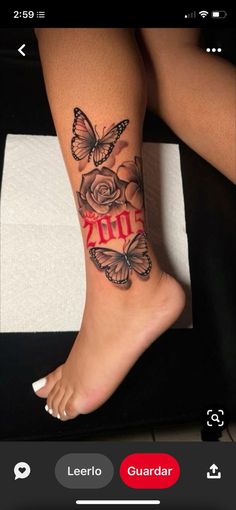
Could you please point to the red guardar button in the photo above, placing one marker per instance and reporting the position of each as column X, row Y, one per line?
column 149, row 471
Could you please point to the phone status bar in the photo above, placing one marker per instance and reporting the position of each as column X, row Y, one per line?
column 163, row 17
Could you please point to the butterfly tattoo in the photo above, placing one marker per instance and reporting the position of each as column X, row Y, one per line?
column 117, row 266
column 86, row 143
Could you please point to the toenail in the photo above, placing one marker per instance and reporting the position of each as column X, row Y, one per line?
column 46, row 407
column 65, row 413
column 58, row 416
column 38, row 385
column 50, row 411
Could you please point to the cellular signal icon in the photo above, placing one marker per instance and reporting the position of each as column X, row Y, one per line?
column 191, row 15
column 203, row 14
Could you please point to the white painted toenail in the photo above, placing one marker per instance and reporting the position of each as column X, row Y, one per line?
column 65, row 413
column 58, row 416
column 46, row 407
column 50, row 411
column 38, row 385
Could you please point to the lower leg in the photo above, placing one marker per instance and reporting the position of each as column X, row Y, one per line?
column 129, row 302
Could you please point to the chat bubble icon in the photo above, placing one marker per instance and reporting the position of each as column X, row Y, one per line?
column 22, row 470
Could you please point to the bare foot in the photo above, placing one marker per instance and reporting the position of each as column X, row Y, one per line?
column 117, row 327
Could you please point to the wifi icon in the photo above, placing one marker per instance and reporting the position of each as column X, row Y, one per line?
column 203, row 14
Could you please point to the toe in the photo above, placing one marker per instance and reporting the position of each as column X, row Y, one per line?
column 51, row 399
column 44, row 386
column 72, row 407
column 62, row 405
column 58, row 397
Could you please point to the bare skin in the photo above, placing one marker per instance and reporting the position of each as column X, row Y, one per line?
column 194, row 93
column 126, row 309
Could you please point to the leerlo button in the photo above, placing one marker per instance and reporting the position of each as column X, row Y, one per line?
column 150, row 471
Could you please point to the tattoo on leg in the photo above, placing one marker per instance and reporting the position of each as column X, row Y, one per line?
column 111, row 205
column 111, row 202
column 118, row 266
column 103, row 191
column 87, row 143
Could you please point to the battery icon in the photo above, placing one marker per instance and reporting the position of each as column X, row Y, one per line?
column 218, row 14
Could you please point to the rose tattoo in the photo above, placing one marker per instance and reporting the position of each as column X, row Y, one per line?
column 101, row 191
column 111, row 204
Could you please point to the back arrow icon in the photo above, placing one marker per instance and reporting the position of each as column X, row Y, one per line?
column 20, row 50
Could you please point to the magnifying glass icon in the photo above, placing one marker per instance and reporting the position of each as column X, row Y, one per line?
column 215, row 417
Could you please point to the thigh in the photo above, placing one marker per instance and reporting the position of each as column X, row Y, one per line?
column 157, row 44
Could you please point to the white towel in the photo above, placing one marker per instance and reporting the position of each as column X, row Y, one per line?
column 42, row 262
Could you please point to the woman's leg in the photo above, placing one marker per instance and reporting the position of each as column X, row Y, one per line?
column 129, row 302
column 194, row 93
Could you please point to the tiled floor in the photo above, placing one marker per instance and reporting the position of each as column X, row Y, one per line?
column 178, row 433
column 187, row 433
column 141, row 435
column 175, row 433
column 232, row 431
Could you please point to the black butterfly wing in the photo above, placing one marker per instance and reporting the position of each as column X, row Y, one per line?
column 112, row 262
column 102, row 152
column 83, row 143
column 118, row 273
column 105, row 145
column 137, row 255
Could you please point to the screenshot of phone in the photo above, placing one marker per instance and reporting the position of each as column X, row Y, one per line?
column 117, row 346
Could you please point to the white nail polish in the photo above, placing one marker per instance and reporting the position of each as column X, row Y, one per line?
column 38, row 385
column 58, row 416
column 46, row 407
column 65, row 413
column 50, row 411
